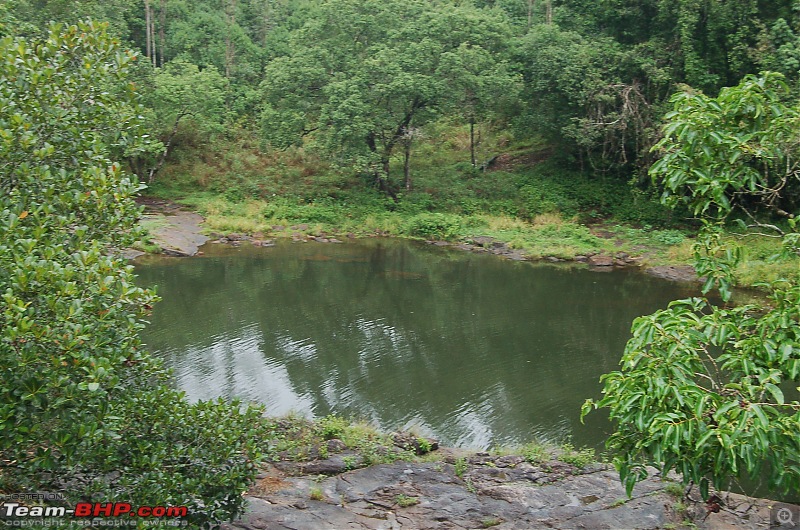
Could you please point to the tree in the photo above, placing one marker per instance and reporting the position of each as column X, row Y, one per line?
column 176, row 94
column 577, row 94
column 361, row 74
column 83, row 409
column 479, row 86
column 703, row 389
column 735, row 152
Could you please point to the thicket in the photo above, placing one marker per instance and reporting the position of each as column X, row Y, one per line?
column 366, row 86
column 84, row 410
column 711, row 391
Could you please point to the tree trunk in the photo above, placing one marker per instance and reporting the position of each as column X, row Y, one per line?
column 151, row 174
column 407, row 164
column 162, row 32
column 230, row 47
column 147, row 22
column 549, row 12
column 531, row 4
column 472, row 141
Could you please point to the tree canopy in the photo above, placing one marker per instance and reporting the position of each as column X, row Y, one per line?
column 362, row 73
column 81, row 403
column 702, row 388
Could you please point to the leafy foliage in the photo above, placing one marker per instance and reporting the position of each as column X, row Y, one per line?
column 433, row 226
column 361, row 75
column 707, row 390
column 721, row 153
column 82, row 407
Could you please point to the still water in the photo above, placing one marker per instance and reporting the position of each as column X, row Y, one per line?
column 472, row 349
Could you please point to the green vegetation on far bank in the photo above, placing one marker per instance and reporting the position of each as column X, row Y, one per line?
column 525, row 201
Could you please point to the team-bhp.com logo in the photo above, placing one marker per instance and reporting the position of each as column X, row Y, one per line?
column 96, row 509
column 27, row 509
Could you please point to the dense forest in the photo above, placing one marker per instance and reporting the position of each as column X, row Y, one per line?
column 359, row 84
column 525, row 120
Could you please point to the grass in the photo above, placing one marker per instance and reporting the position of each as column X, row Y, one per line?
column 296, row 438
column 528, row 200
column 404, row 501
column 461, row 467
column 674, row 488
column 490, row 522
column 535, row 452
column 315, row 494
column 579, row 458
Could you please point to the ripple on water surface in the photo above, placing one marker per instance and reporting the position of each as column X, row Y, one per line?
column 469, row 348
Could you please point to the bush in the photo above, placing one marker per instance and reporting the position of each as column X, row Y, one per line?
column 669, row 237
column 434, row 226
column 83, row 409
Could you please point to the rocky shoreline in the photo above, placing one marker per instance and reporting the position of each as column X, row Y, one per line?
column 179, row 232
column 478, row 490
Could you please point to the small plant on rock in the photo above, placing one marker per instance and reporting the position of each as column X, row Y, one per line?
column 405, row 501
column 461, row 467
column 579, row 458
column 315, row 494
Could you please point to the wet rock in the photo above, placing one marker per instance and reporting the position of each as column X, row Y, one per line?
column 176, row 252
column 553, row 259
column 366, row 499
column 601, row 260
column 334, row 465
column 335, row 445
column 581, row 259
column 179, row 231
column 516, row 256
column 234, row 237
column 278, row 228
column 301, row 227
column 483, row 241
column 509, row 461
column 678, row 273
column 481, row 459
column 417, row 444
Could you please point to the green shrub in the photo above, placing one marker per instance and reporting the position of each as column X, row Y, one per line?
column 434, row 226
column 331, row 427
column 83, row 409
column 668, row 237
column 579, row 458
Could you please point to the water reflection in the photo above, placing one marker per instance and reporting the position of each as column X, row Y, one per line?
column 472, row 349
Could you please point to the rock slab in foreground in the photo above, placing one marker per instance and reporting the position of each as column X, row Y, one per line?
column 431, row 496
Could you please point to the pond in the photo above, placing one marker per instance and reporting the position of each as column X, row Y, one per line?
column 469, row 348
